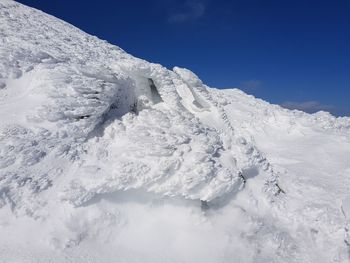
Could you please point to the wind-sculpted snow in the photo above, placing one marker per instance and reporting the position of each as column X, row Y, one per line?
column 75, row 97
column 105, row 156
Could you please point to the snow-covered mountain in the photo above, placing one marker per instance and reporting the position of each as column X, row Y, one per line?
column 105, row 157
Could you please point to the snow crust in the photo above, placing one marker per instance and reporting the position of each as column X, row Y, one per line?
column 105, row 157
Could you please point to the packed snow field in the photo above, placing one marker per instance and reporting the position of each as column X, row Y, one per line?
column 105, row 157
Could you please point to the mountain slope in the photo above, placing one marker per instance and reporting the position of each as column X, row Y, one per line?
column 105, row 156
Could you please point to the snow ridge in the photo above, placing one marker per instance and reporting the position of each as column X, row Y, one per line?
column 76, row 93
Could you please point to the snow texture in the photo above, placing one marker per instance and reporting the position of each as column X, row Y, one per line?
column 105, row 157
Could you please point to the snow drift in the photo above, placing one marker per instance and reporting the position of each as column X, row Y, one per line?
column 105, row 157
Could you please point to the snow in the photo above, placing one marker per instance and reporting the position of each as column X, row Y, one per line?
column 105, row 157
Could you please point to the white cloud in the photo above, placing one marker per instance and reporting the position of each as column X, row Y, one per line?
column 307, row 106
column 191, row 10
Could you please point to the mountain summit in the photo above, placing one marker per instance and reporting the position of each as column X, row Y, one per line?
column 105, row 157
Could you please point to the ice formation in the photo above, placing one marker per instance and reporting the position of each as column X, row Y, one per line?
column 105, row 157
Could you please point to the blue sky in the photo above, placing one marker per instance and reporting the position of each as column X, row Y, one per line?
column 295, row 53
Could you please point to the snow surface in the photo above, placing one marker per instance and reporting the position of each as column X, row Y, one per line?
column 105, row 157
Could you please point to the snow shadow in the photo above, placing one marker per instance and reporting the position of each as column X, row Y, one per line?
column 140, row 196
